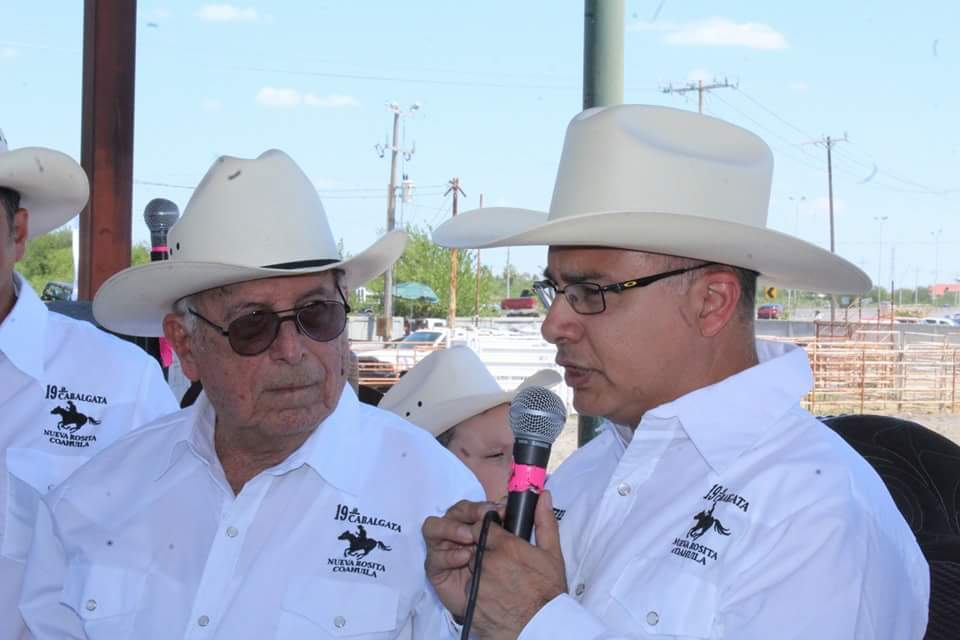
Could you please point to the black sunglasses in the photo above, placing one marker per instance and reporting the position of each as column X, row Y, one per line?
column 253, row 333
column 587, row 298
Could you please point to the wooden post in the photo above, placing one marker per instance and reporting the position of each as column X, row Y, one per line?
column 109, row 62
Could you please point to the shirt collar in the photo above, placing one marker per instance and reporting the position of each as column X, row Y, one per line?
column 339, row 450
column 725, row 419
column 22, row 331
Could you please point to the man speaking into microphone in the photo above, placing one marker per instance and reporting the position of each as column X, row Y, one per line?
column 713, row 505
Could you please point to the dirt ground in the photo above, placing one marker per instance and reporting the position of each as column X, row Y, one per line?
column 946, row 424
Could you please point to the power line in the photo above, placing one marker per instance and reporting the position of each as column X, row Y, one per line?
column 700, row 88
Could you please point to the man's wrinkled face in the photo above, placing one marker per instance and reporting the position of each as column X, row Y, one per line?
column 624, row 361
column 288, row 389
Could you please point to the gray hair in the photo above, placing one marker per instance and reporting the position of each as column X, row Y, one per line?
column 746, row 278
column 182, row 308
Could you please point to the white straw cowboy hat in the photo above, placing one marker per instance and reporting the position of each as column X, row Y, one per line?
column 449, row 386
column 52, row 186
column 665, row 181
column 247, row 220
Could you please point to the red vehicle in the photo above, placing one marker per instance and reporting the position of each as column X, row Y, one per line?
column 525, row 305
column 770, row 312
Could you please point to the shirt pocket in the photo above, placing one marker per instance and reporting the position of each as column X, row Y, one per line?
column 105, row 598
column 323, row 608
column 31, row 474
column 662, row 600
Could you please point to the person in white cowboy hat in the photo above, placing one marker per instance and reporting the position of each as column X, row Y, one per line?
column 713, row 505
column 452, row 395
column 67, row 389
column 277, row 506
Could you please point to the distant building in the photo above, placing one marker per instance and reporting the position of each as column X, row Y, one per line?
column 939, row 290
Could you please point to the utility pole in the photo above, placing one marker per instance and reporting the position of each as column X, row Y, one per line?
column 476, row 308
column 828, row 142
column 700, row 88
column 454, row 256
column 395, row 150
column 603, row 31
column 881, row 220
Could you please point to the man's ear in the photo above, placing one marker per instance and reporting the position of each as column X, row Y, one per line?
column 176, row 334
column 718, row 295
column 21, row 226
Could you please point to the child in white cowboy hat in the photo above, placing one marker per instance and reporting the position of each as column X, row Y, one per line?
column 276, row 506
column 67, row 389
column 452, row 395
column 713, row 505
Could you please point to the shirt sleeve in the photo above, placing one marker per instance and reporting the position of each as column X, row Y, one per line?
column 46, row 617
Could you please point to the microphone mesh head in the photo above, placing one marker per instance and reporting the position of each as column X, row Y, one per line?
column 538, row 414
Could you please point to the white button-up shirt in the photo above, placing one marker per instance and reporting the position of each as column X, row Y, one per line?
column 148, row 540
column 732, row 513
column 67, row 390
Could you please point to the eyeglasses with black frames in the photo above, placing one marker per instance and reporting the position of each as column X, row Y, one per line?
column 587, row 298
column 253, row 333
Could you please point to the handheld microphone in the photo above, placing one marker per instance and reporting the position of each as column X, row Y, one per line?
column 537, row 416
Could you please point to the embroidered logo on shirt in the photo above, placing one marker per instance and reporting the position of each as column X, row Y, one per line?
column 353, row 516
column 70, row 421
column 359, row 545
column 719, row 493
column 688, row 546
column 55, row 392
column 705, row 521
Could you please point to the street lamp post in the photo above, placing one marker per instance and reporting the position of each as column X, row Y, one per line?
column 881, row 220
column 796, row 232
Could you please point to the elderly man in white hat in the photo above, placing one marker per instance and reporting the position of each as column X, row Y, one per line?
column 713, row 505
column 277, row 506
column 453, row 396
column 67, row 389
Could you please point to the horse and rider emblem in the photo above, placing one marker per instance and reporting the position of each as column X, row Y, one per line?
column 706, row 521
column 72, row 420
column 359, row 544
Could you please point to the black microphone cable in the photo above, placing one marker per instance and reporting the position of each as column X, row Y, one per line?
column 488, row 517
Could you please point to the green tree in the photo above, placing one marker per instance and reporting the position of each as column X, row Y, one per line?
column 49, row 258
column 427, row 263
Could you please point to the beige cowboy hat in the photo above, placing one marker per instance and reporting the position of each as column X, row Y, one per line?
column 665, row 181
column 52, row 186
column 449, row 386
column 246, row 220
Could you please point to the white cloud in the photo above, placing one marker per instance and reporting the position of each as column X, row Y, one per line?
column 330, row 102
column 8, row 52
column 273, row 97
column 157, row 14
column 700, row 74
column 716, row 32
column 230, row 13
column 211, row 104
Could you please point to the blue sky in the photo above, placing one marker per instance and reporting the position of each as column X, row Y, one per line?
column 498, row 81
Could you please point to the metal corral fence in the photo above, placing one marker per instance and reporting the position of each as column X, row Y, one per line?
column 865, row 369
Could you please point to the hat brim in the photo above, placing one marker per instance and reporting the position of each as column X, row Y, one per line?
column 53, row 188
column 445, row 415
column 780, row 258
column 134, row 301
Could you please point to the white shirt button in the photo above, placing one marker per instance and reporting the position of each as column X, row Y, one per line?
column 623, row 489
column 232, row 532
column 580, row 589
column 339, row 622
column 203, row 621
column 653, row 618
column 91, row 605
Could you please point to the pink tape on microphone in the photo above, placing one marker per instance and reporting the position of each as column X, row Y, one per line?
column 527, row 477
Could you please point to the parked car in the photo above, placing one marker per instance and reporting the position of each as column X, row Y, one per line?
column 770, row 312
column 56, row 291
column 943, row 322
